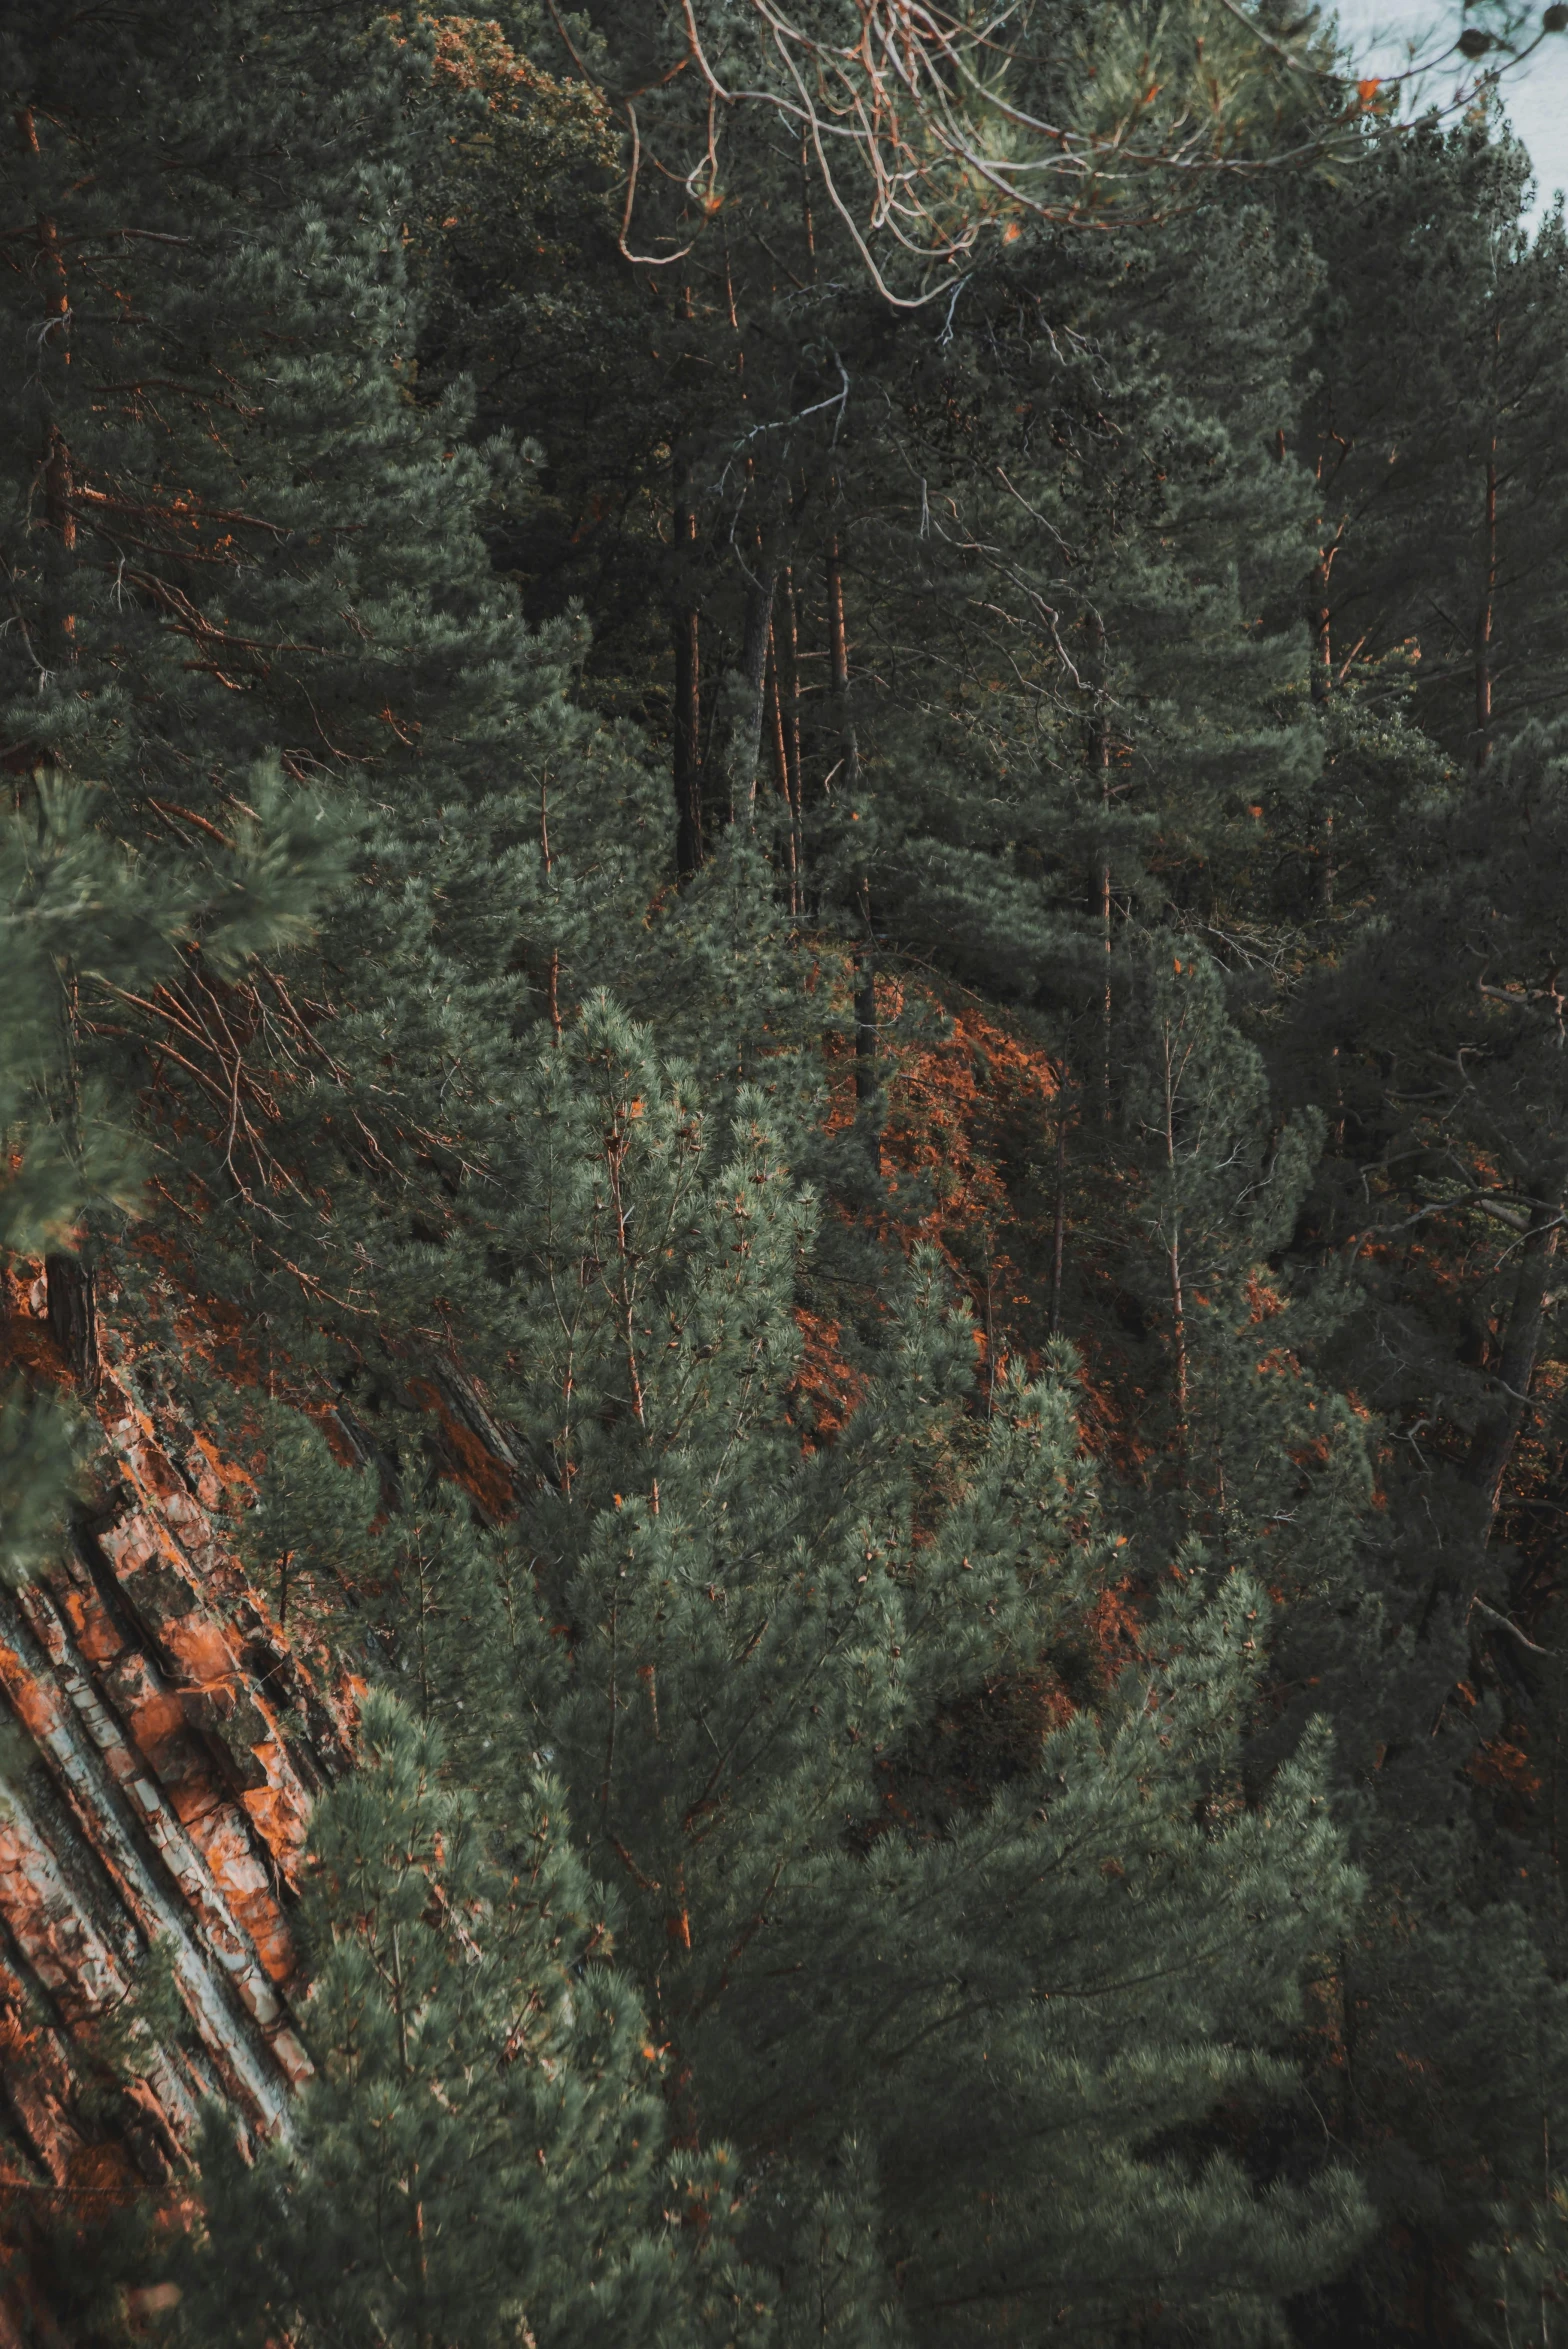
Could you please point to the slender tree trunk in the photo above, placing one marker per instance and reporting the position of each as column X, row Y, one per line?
column 790, row 677
column 748, row 688
column 789, row 680
column 808, row 225
column 413, row 2185
column 58, row 490
column 1179, row 1333
column 1322, row 637
column 1486, row 617
column 1106, row 1004
column 1322, row 687
column 72, row 1314
column 1059, row 1222
column 1493, row 1446
column 1322, row 615
column 1099, row 756
column 69, row 1286
column 866, row 1021
column 1483, row 650
column 553, row 983
column 838, row 659
column 686, row 627
column 849, row 774
column 1326, row 871
column 1173, row 1257
column 777, row 736
column 54, row 455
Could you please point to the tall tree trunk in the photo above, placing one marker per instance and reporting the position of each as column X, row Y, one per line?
column 1485, row 620
column 808, row 224
column 838, row 659
column 1059, row 1221
column 1179, row 1341
column 1322, row 638
column 686, row 627
column 1322, row 685
column 866, row 1020
column 1486, row 617
column 747, row 688
column 865, row 965
column 547, row 861
column 1099, row 760
column 1322, row 614
column 58, row 491
column 71, row 1304
column 54, row 455
column 1171, row 1233
column 790, row 679
column 789, row 695
column 73, row 1314
column 1493, row 1446
column 778, row 738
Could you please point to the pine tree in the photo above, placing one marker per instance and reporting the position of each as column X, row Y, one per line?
column 1450, row 1091
column 1258, row 1457
column 1440, row 522
column 265, row 546
column 478, row 2159
column 744, row 1657
column 83, row 920
column 969, row 636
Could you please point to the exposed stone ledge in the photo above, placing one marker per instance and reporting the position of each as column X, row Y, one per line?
column 174, row 1741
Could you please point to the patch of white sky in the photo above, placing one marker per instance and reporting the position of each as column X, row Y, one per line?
column 1535, row 95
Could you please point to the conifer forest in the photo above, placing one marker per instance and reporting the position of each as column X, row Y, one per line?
column 784, row 1423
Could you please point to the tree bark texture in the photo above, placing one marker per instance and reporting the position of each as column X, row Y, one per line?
column 748, row 691
column 778, row 735
column 1485, row 622
column 1099, row 760
column 54, row 455
column 838, row 656
column 73, row 1314
column 866, row 1024
column 1492, row 1448
column 686, row 635
column 1059, row 1219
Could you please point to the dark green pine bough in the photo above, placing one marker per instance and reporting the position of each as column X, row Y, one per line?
column 930, row 2054
column 766, row 1910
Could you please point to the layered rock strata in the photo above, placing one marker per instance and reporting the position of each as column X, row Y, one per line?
column 166, row 1742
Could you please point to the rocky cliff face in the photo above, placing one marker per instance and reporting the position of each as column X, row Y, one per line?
column 166, row 1745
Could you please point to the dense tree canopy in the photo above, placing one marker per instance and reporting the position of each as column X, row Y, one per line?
column 788, row 818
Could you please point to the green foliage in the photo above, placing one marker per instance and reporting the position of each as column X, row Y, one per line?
column 478, row 2157
column 734, row 1651
column 1148, row 636
column 88, row 929
column 309, row 1531
column 39, row 1449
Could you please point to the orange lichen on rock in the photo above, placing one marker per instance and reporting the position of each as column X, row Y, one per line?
column 469, row 1455
column 172, row 1742
column 1506, row 1768
column 824, row 1381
